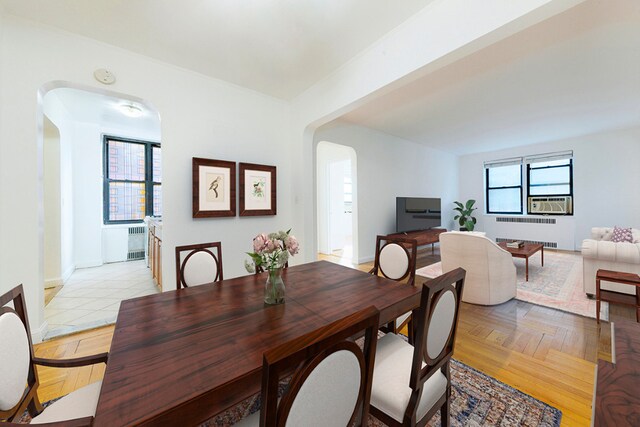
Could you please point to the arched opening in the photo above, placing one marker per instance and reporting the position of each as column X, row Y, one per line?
column 337, row 202
column 99, row 177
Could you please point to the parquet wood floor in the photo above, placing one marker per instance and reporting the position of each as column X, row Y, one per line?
column 546, row 353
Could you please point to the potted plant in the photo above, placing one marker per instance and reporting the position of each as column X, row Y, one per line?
column 466, row 221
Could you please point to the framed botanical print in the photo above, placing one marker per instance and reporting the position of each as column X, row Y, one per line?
column 257, row 190
column 214, row 188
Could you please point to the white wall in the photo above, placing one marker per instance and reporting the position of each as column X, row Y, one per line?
column 200, row 117
column 52, row 199
column 606, row 179
column 389, row 167
column 67, row 217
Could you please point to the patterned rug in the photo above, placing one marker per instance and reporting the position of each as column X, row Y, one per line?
column 26, row 418
column 557, row 285
column 477, row 400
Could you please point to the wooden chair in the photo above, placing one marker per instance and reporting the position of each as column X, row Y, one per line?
column 19, row 377
column 411, row 383
column 198, row 264
column 332, row 380
column 396, row 260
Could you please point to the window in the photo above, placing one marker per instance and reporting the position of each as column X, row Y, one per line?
column 550, row 178
column 504, row 188
column 132, row 180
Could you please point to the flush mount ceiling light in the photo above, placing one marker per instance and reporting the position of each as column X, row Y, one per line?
column 131, row 110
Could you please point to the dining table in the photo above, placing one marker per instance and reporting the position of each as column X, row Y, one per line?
column 181, row 357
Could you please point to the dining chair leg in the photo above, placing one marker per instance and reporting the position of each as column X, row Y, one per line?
column 445, row 410
column 390, row 328
column 35, row 407
column 410, row 332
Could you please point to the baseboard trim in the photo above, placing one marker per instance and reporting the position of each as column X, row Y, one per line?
column 89, row 264
column 364, row 259
column 52, row 283
column 38, row 334
column 67, row 274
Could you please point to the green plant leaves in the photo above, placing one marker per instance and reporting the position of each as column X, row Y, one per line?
column 466, row 210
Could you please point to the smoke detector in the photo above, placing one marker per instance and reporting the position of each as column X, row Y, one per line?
column 104, row 76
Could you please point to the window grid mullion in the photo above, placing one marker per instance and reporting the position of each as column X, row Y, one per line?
column 488, row 190
column 147, row 182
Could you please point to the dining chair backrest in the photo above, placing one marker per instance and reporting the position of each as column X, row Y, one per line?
column 18, row 376
column 198, row 264
column 331, row 384
column 396, row 258
column 437, row 322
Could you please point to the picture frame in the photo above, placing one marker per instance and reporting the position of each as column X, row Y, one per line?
column 258, row 190
column 214, row 188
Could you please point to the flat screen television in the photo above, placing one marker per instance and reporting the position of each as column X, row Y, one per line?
column 417, row 213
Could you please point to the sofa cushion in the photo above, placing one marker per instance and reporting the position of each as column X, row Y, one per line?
column 601, row 233
column 606, row 233
column 612, row 252
column 621, row 235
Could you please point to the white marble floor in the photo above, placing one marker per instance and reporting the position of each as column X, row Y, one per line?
column 91, row 297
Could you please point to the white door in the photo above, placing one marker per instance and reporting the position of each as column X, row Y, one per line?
column 339, row 214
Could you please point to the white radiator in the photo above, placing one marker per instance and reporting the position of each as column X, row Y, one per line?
column 136, row 243
column 553, row 233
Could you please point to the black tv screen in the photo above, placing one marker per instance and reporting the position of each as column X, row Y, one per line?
column 417, row 213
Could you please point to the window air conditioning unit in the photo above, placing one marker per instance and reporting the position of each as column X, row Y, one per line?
column 560, row 205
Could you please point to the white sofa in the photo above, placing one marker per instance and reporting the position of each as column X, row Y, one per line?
column 600, row 252
column 491, row 273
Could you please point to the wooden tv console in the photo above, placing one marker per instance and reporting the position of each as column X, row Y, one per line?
column 423, row 237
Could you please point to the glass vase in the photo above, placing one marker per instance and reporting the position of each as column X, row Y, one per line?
column 274, row 288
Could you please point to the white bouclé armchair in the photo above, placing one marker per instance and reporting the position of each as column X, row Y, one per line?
column 491, row 273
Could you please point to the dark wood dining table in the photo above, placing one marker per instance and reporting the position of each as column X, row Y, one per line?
column 183, row 356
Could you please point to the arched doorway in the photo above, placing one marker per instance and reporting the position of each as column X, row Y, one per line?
column 337, row 214
column 78, row 239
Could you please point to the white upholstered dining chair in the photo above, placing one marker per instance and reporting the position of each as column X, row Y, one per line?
column 396, row 260
column 331, row 384
column 19, row 377
column 411, row 383
column 198, row 264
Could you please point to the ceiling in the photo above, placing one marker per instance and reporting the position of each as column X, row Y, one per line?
column 92, row 107
column 575, row 74
column 275, row 47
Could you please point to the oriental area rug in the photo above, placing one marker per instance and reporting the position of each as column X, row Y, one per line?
column 557, row 284
column 477, row 400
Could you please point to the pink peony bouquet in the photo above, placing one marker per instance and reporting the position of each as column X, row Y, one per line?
column 271, row 251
